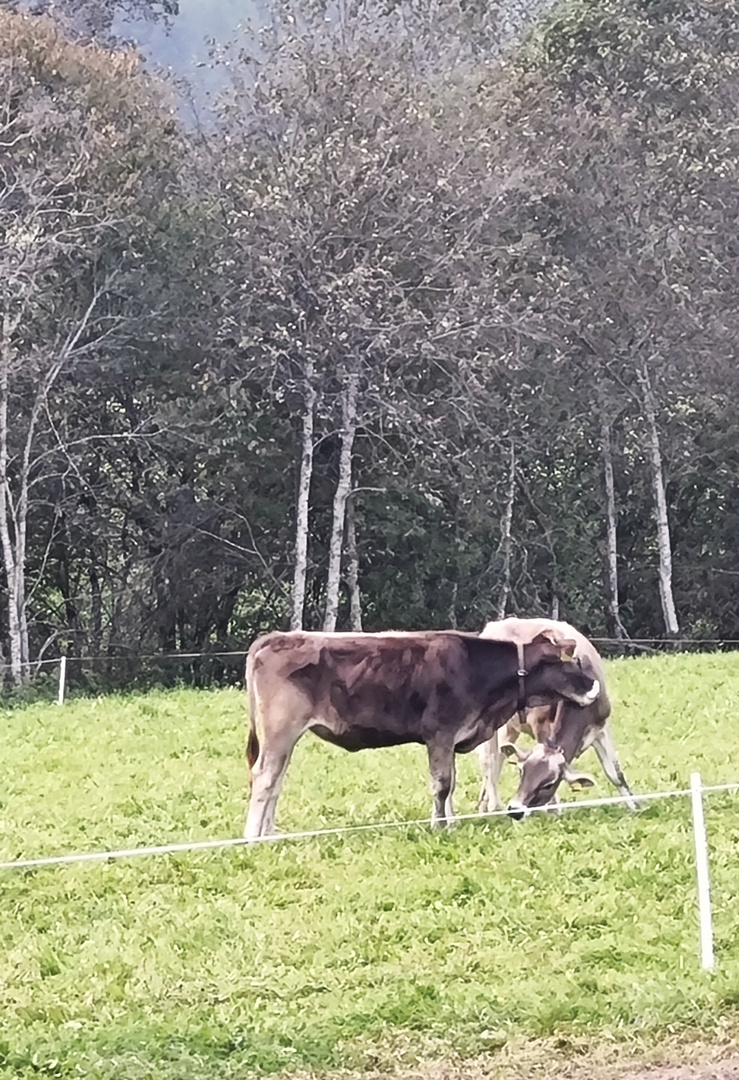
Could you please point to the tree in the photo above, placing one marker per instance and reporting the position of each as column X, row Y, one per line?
column 411, row 347
column 342, row 494
column 96, row 19
column 352, row 214
column 621, row 107
column 77, row 188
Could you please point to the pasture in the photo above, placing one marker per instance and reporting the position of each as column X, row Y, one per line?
column 371, row 950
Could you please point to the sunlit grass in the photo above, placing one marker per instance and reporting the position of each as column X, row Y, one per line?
column 349, row 951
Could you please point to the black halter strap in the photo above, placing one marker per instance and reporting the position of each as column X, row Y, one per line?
column 552, row 741
column 522, row 673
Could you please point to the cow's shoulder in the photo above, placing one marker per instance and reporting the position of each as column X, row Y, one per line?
column 479, row 660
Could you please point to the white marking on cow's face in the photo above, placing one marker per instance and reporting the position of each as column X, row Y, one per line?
column 517, row 810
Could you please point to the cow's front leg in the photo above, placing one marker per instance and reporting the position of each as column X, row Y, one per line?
column 491, row 765
column 606, row 751
column 441, row 767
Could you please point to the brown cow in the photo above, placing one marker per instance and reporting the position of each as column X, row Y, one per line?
column 562, row 731
column 444, row 689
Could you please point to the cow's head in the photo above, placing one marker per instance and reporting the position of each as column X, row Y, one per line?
column 552, row 670
column 542, row 771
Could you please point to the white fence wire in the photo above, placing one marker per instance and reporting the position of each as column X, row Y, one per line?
column 338, row 830
column 695, row 791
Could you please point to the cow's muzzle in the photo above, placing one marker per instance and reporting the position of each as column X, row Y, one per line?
column 516, row 811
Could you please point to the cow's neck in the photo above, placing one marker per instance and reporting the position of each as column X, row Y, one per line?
column 570, row 736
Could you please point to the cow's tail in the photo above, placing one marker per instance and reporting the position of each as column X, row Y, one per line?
column 252, row 740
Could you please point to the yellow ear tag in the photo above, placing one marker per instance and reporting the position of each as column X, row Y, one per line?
column 567, row 657
column 577, row 786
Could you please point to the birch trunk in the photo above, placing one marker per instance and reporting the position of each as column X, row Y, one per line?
column 506, row 528
column 664, row 545
column 352, row 568
column 23, row 621
column 611, row 525
column 343, row 489
column 8, row 522
column 452, row 616
column 14, row 512
column 300, row 570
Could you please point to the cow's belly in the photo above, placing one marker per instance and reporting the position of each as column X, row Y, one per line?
column 362, row 738
column 472, row 734
column 470, row 741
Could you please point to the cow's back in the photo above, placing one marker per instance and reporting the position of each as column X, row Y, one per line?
column 360, row 689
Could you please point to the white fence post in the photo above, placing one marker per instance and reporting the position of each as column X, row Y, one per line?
column 62, row 679
column 701, row 864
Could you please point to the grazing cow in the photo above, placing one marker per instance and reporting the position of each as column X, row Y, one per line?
column 444, row 689
column 562, row 730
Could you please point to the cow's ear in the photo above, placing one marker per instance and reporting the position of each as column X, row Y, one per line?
column 566, row 648
column 577, row 780
column 514, row 753
column 560, row 646
column 567, row 652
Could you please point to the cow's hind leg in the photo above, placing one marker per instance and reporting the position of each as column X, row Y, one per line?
column 267, row 776
column 441, row 767
column 606, row 751
column 449, row 805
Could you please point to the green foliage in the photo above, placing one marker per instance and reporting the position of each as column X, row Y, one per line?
column 501, row 249
column 373, row 948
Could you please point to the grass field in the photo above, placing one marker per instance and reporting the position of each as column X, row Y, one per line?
column 369, row 950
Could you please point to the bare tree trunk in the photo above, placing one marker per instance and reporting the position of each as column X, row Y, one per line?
column 505, row 543
column 23, row 620
column 14, row 624
column 14, row 511
column 300, row 570
column 343, row 488
column 452, row 616
column 352, row 568
column 611, row 523
column 8, row 521
column 660, row 505
column 17, row 670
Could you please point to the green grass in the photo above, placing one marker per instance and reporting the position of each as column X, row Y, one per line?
column 347, row 952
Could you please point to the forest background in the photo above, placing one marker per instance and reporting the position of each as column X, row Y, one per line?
column 428, row 316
